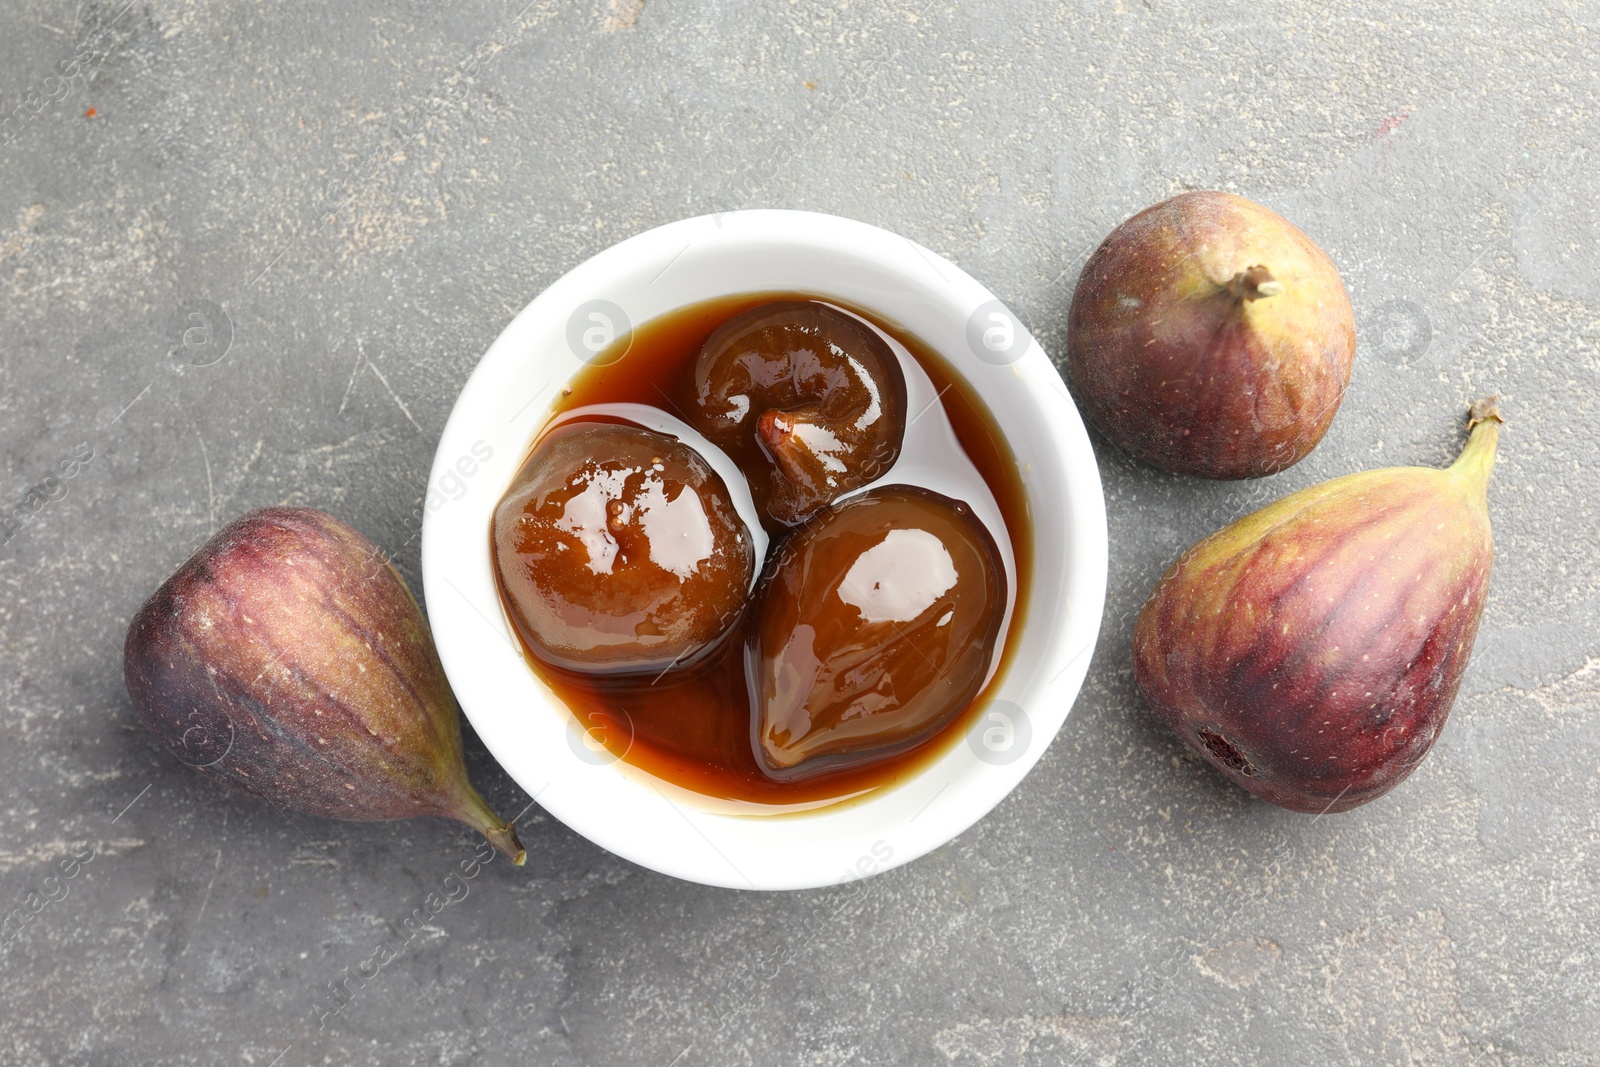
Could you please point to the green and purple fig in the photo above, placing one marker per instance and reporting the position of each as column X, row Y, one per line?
column 288, row 658
column 1208, row 336
column 1311, row 650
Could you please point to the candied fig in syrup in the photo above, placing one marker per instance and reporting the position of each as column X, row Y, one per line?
column 810, row 402
column 876, row 627
column 619, row 551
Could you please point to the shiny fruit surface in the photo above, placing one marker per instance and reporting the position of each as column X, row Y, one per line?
column 878, row 622
column 619, row 550
column 808, row 400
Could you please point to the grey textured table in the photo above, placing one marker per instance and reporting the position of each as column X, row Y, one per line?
column 360, row 200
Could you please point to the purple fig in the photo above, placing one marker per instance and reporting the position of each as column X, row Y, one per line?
column 1311, row 650
column 288, row 658
column 1208, row 336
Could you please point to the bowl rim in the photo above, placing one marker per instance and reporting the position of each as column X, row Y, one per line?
column 622, row 808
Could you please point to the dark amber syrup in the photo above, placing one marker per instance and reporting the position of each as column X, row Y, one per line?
column 692, row 727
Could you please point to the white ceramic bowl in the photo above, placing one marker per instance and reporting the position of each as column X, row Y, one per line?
column 509, row 398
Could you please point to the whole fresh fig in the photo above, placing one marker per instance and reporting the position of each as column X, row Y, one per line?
column 287, row 657
column 1311, row 650
column 1208, row 336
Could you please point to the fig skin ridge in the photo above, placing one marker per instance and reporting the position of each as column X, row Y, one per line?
column 318, row 695
column 1311, row 651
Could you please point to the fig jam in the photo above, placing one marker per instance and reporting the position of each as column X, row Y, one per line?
column 697, row 724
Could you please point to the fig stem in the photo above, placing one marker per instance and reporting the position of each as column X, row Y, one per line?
column 501, row 834
column 1483, row 424
column 775, row 430
column 1253, row 283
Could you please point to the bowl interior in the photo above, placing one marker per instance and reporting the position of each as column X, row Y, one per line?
column 508, row 399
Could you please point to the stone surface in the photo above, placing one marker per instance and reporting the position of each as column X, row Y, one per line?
column 250, row 252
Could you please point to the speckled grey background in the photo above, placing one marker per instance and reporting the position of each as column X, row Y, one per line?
column 359, row 200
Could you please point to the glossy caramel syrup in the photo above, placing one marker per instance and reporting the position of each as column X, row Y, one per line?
column 693, row 727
